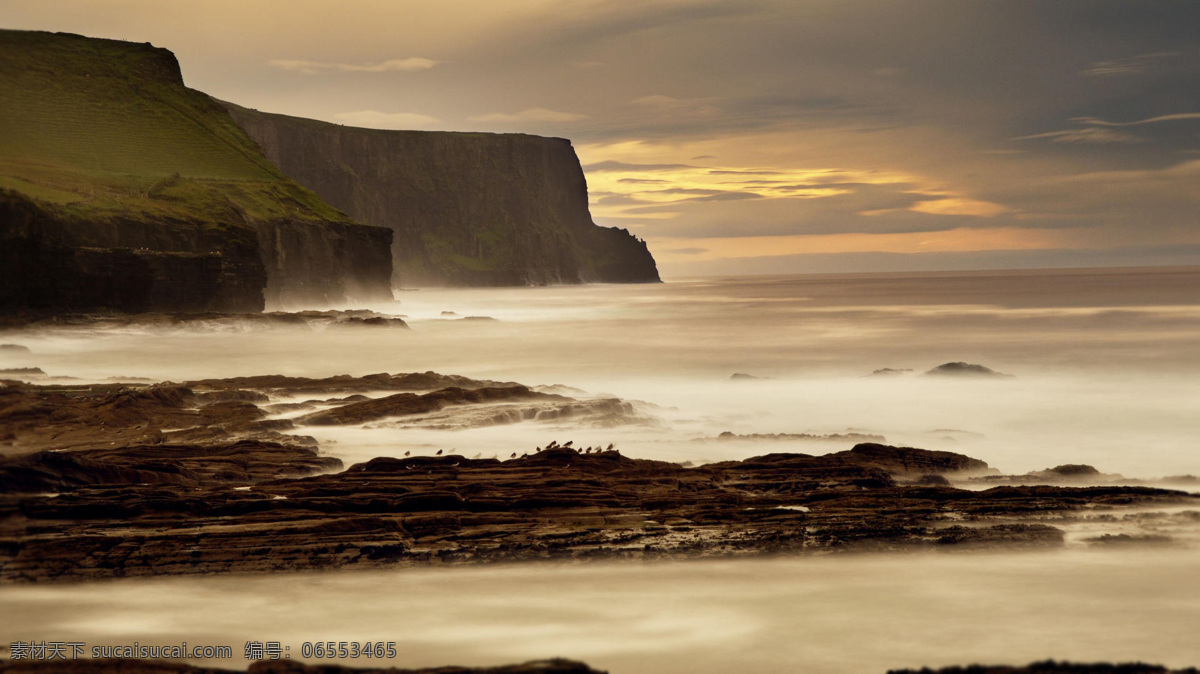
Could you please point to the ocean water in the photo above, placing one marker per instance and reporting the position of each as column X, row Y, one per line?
column 844, row 614
column 1104, row 364
column 1104, row 367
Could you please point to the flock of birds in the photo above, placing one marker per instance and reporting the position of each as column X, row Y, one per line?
column 553, row 445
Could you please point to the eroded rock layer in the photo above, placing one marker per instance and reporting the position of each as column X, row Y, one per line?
column 200, row 477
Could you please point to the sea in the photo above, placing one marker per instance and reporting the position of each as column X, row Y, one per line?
column 1091, row 366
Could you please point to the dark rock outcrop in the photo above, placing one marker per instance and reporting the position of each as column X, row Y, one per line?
column 53, row 262
column 557, row 503
column 960, row 369
column 411, row 403
column 474, row 209
column 742, row 376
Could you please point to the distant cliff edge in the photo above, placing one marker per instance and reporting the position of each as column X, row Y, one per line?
column 123, row 190
column 473, row 209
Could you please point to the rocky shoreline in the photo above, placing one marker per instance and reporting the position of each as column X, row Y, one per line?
column 118, row 480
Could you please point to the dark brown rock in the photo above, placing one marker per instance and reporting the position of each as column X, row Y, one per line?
column 449, row 509
column 179, row 479
column 410, row 403
column 960, row 369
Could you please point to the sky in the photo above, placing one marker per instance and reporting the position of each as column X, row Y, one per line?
column 759, row 136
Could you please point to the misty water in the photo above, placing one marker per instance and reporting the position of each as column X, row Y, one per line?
column 1104, row 369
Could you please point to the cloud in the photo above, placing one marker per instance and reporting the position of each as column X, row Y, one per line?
column 1101, row 132
column 744, row 172
column 955, row 240
column 530, row 115
column 699, row 194
column 1131, row 65
column 392, row 65
column 941, row 261
column 387, row 120
column 669, row 105
column 611, row 166
column 1152, row 120
column 959, row 206
column 1092, row 135
column 727, row 196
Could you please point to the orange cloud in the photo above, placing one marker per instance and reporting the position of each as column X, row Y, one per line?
column 958, row 240
column 959, row 206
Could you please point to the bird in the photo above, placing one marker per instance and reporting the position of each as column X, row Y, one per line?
column 407, row 453
column 439, row 452
column 610, row 446
column 514, row 455
column 568, row 443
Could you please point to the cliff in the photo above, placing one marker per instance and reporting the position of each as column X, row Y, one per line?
column 121, row 189
column 474, row 209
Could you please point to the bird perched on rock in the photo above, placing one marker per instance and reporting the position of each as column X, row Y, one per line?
column 439, row 452
column 567, row 444
column 407, row 453
column 610, row 446
column 514, row 455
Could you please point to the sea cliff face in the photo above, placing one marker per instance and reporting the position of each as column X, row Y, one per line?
column 474, row 209
column 123, row 190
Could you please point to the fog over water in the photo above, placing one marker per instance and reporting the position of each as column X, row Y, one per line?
column 848, row 613
column 1104, row 363
column 1104, row 367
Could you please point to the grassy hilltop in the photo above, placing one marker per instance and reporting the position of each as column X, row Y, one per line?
column 104, row 127
column 114, row 176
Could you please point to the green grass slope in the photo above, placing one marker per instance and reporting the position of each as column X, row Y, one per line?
column 101, row 128
column 120, row 188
